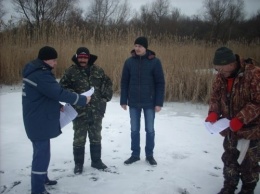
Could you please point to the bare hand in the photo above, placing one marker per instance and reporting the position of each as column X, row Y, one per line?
column 88, row 99
column 124, row 106
column 158, row 109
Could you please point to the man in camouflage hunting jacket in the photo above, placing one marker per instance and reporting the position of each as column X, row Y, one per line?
column 236, row 96
column 79, row 78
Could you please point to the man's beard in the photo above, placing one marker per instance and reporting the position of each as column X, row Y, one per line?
column 83, row 64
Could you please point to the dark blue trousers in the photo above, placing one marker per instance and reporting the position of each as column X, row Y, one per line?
column 40, row 164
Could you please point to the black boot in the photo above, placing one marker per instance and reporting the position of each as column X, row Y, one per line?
column 228, row 188
column 95, row 152
column 79, row 155
column 248, row 188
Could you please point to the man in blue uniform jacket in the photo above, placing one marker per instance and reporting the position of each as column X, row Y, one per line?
column 41, row 112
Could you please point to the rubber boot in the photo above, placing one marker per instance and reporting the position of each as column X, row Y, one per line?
column 95, row 153
column 79, row 155
column 248, row 188
column 228, row 188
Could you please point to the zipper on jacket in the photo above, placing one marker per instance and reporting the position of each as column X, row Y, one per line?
column 230, row 99
column 139, row 78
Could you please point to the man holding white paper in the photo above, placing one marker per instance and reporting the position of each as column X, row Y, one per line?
column 236, row 96
column 41, row 98
column 68, row 113
column 88, row 79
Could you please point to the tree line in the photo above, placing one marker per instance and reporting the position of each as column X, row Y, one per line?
column 219, row 20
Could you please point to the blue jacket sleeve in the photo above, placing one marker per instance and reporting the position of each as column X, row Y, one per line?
column 48, row 86
column 159, row 84
column 124, row 84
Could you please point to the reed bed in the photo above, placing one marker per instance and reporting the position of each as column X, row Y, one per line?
column 187, row 63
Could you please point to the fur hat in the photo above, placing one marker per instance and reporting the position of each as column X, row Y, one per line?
column 47, row 52
column 223, row 56
column 142, row 41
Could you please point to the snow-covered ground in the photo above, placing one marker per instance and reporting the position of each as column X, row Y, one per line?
column 188, row 156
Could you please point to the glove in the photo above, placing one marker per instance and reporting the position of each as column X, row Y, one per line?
column 235, row 124
column 212, row 117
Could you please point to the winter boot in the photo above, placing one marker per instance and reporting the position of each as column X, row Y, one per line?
column 228, row 189
column 231, row 177
column 44, row 192
column 248, row 188
column 95, row 152
column 50, row 182
column 150, row 160
column 131, row 160
column 79, row 155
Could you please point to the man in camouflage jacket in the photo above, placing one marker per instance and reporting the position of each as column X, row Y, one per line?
column 236, row 96
column 79, row 78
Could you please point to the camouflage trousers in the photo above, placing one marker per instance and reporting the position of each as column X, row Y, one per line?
column 82, row 128
column 248, row 170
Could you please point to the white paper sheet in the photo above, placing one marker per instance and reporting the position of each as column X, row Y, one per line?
column 242, row 146
column 89, row 92
column 218, row 126
column 68, row 114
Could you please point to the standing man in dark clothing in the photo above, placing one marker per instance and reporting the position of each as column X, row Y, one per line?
column 80, row 77
column 142, row 88
column 41, row 112
column 236, row 96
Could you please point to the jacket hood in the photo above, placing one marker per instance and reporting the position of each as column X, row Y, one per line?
column 91, row 60
column 35, row 65
column 149, row 54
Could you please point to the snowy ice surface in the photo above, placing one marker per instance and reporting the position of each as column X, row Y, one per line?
column 188, row 156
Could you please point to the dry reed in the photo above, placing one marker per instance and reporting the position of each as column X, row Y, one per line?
column 186, row 62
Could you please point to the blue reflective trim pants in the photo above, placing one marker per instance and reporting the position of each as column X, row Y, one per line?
column 40, row 164
column 135, row 117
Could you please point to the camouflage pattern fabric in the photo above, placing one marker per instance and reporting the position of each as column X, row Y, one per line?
column 89, row 119
column 82, row 129
column 248, row 170
column 244, row 102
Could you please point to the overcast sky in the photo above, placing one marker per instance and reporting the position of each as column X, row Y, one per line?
column 187, row 7
column 191, row 7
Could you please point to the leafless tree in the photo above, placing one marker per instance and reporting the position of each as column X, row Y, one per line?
column 222, row 14
column 160, row 9
column 2, row 12
column 36, row 12
column 75, row 17
column 122, row 14
column 100, row 11
column 147, row 19
column 175, row 14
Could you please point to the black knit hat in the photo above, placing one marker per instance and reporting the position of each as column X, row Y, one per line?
column 82, row 52
column 47, row 52
column 223, row 56
column 142, row 41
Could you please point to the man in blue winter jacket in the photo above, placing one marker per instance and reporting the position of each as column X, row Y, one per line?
column 41, row 112
column 142, row 88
